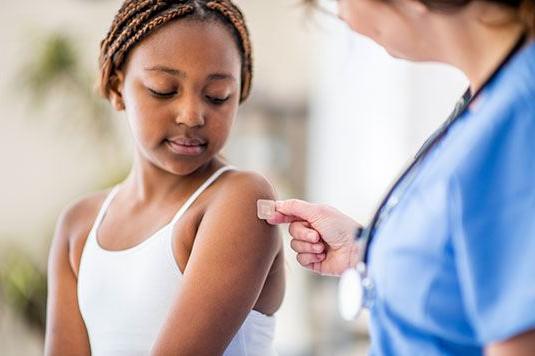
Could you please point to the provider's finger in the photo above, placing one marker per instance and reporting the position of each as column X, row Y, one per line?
column 299, row 209
column 306, row 247
column 301, row 230
column 306, row 259
column 315, row 267
column 279, row 218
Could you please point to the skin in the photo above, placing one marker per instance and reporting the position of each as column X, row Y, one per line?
column 474, row 39
column 201, row 98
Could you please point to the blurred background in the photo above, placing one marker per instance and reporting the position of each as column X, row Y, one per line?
column 332, row 119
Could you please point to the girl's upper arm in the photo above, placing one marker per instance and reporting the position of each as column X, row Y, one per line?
column 227, row 268
column 65, row 330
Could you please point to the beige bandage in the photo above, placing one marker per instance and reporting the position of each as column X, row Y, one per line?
column 265, row 209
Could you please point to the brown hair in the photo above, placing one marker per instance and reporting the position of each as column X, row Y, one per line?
column 136, row 19
column 527, row 12
column 526, row 8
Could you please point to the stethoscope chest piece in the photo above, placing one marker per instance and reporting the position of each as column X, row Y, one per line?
column 355, row 292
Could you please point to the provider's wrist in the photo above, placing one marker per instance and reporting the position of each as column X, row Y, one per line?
column 354, row 254
column 354, row 247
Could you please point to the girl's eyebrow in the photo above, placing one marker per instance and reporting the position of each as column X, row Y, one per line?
column 181, row 74
column 221, row 76
column 168, row 70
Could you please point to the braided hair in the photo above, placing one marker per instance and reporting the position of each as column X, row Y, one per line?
column 136, row 19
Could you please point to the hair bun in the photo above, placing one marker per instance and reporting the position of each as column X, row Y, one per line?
column 527, row 12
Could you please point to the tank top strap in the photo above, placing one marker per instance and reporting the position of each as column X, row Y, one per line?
column 104, row 207
column 199, row 191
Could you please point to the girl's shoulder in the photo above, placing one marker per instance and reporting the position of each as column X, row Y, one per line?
column 243, row 185
column 75, row 223
column 83, row 210
column 232, row 204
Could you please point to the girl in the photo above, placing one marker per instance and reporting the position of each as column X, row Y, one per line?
column 128, row 274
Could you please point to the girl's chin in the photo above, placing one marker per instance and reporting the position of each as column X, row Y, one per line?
column 178, row 164
column 187, row 166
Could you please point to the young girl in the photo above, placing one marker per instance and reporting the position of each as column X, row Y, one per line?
column 173, row 261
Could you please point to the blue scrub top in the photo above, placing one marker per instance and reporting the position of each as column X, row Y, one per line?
column 454, row 261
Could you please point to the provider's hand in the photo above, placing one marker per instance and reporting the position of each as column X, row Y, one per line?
column 322, row 236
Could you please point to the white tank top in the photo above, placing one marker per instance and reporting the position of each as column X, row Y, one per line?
column 125, row 296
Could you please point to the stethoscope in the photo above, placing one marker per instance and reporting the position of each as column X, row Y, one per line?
column 356, row 290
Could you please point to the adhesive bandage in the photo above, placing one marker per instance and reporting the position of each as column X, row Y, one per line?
column 265, row 209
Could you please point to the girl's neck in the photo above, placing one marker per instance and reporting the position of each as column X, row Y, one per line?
column 148, row 182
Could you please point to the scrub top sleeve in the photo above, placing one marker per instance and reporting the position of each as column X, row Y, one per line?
column 492, row 215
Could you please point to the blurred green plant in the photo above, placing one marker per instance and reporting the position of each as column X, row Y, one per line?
column 55, row 74
column 23, row 288
column 56, row 60
column 55, row 77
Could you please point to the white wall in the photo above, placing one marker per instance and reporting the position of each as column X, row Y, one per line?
column 370, row 114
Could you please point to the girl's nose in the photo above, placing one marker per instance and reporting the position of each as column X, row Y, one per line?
column 189, row 112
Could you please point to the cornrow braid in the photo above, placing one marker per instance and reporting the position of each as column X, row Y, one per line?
column 126, row 12
column 228, row 10
column 124, row 43
column 127, row 31
column 136, row 19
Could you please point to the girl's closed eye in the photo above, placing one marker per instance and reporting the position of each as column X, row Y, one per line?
column 217, row 99
column 162, row 94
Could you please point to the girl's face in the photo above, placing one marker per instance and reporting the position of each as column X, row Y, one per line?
column 181, row 89
column 397, row 25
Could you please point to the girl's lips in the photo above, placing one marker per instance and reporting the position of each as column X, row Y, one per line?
column 186, row 147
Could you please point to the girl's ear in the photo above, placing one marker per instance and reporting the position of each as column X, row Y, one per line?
column 116, row 90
